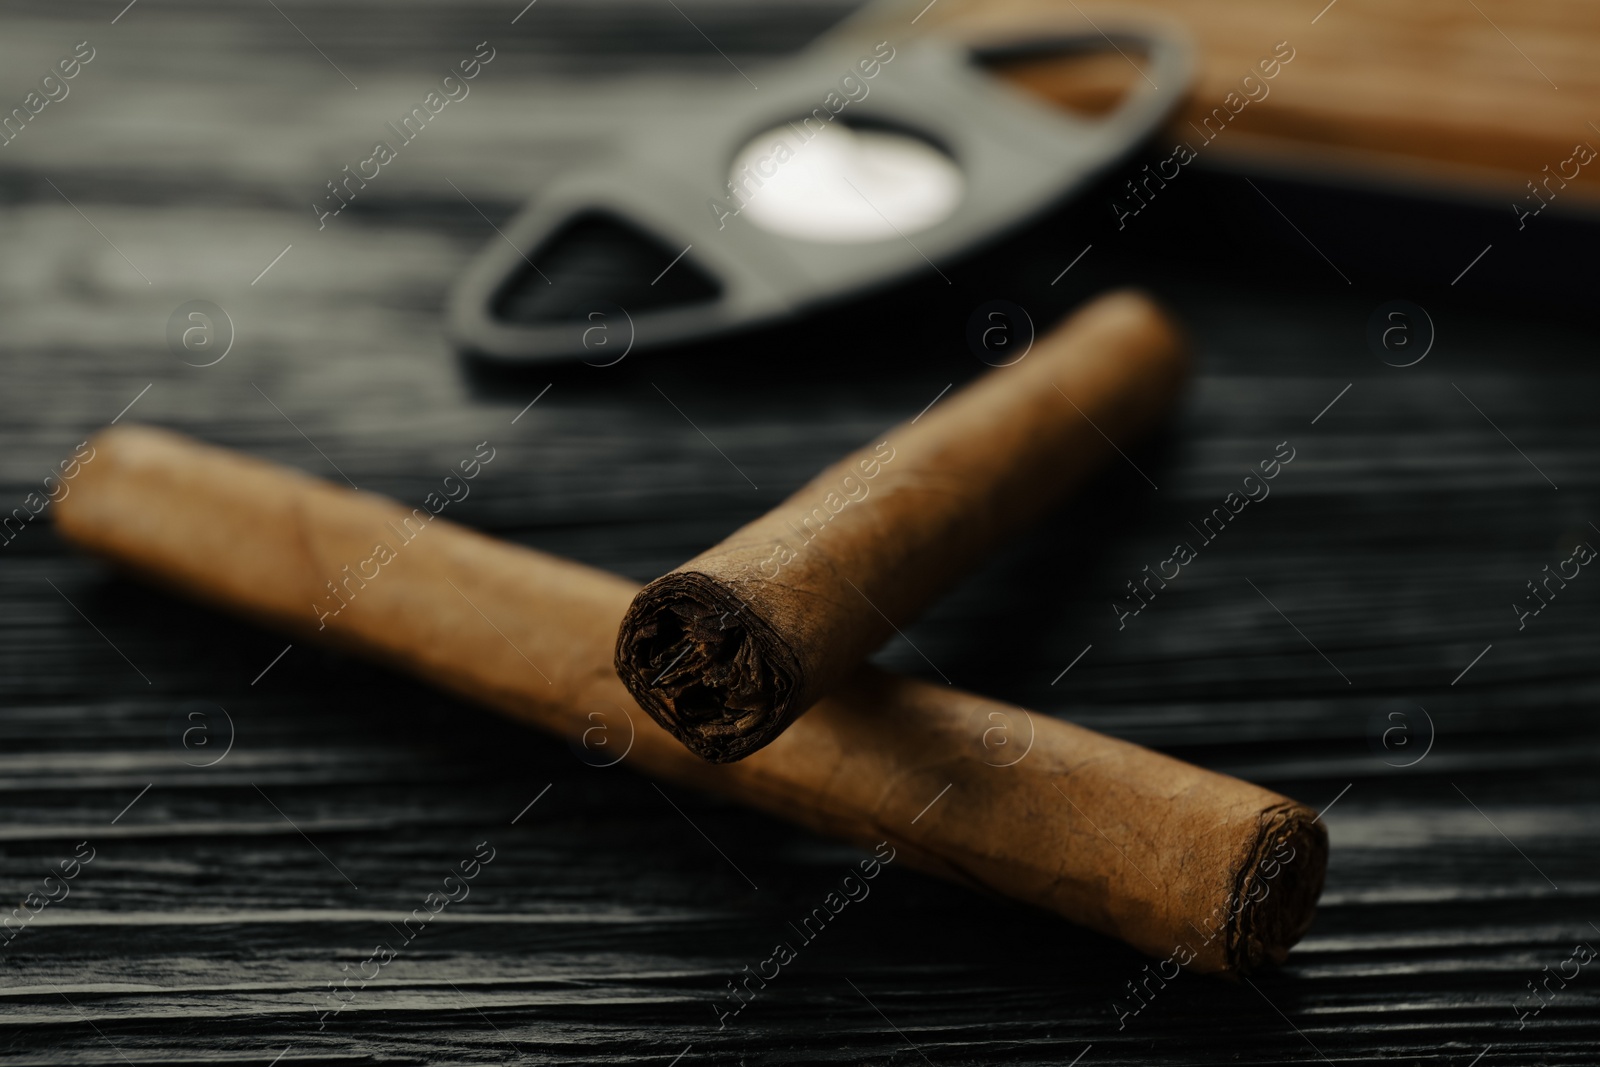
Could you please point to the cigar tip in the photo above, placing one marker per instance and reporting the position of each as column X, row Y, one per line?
column 701, row 663
column 1140, row 305
column 1281, row 883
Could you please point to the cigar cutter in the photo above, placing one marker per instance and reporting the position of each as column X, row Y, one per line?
column 860, row 164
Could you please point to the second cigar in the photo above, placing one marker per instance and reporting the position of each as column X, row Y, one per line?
column 728, row 649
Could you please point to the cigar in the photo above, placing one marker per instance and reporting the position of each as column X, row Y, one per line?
column 1177, row 861
column 729, row 649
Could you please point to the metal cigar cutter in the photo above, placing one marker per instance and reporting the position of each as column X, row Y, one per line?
column 859, row 164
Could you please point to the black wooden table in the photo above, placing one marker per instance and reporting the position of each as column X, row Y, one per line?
column 1350, row 641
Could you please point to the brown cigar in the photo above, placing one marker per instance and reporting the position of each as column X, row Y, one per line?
column 730, row 648
column 1180, row 862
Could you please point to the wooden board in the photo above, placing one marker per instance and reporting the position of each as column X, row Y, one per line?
column 1376, row 581
column 1475, row 96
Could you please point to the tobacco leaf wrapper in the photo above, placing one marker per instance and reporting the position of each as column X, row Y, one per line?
column 1110, row 835
column 730, row 648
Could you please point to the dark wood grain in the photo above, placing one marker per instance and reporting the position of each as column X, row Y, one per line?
column 221, row 904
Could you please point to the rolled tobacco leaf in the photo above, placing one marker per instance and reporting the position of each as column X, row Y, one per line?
column 1180, row 862
column 730, row 648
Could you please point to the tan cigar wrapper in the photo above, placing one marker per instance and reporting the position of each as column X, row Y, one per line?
column 730, row 648
column 1110, row 835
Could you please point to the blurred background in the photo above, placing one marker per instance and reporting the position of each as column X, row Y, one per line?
column 1359, row 642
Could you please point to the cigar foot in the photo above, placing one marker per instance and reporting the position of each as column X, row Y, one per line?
column 712, row 673
column 1276, row 894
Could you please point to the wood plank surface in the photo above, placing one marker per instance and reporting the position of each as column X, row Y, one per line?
column 1372, row 591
